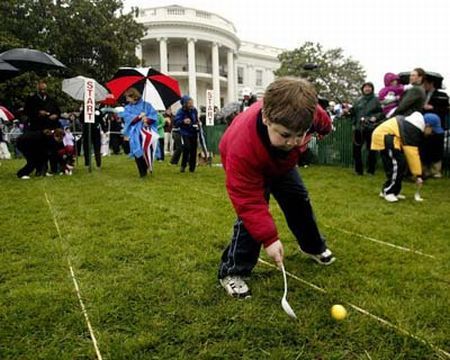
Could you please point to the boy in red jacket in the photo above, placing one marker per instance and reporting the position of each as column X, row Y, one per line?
column 259, row 152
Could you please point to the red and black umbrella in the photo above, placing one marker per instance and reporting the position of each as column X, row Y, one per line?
column 158, row 89
column 5, row 114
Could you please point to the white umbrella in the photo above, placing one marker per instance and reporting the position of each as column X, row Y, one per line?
column 74, row 87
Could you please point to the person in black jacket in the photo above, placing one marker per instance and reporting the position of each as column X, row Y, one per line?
column 37, row 147
column 95, row 136
column 366, row 115
column 116, row 136
column 436, row 101
column 42, row 111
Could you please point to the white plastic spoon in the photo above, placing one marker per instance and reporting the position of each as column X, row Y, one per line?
column 284, row 304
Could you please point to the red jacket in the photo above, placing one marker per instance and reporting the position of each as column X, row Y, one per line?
column 249, row 168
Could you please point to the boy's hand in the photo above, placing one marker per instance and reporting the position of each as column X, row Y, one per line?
column 276, row 252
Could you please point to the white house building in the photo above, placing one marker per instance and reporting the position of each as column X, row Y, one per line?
column 202, row 51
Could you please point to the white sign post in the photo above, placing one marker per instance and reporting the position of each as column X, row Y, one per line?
column 209, row 108
column 89, row 101
column 89, row 113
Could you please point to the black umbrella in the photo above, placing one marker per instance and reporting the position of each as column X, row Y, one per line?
column 7, row 71
column 31, row 59
column 435, row 77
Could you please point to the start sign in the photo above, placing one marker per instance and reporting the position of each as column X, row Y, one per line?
column 89, row 101
column 209, row 108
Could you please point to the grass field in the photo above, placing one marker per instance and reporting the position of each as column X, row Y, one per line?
column 145, row 255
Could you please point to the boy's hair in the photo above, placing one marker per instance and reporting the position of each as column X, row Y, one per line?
column 290, row 102
column 133, row 93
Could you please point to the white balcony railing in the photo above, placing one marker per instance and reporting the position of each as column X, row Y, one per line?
column 178, row 13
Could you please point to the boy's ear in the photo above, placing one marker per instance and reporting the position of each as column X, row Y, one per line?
column 264, row 120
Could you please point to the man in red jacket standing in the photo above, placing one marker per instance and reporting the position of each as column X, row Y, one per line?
column 259, row 152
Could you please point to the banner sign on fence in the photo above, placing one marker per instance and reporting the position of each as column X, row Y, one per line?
column 209, row 108
column 89, row 101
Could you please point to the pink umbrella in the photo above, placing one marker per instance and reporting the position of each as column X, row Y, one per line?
column 5, row 114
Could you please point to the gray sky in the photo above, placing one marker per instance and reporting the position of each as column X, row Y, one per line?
column 383, row 35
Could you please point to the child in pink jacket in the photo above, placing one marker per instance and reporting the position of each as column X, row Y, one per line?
column 390, row 95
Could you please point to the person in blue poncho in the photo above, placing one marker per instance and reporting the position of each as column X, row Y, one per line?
column 187, row 120
column 141, row 128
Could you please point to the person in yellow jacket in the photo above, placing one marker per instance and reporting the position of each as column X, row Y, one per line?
column 399, row 138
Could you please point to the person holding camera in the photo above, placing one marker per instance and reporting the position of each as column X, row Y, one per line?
column 366, row 115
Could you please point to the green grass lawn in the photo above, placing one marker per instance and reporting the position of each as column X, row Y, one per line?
column 145, row 254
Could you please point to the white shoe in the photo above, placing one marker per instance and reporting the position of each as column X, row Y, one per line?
column 401, row 196
column 325, row 258
column 48, row 174
column 25, row 177
column 391, row 198
column 235, row 287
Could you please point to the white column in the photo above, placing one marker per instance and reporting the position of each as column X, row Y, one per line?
column 269, row 77
column 231, row 81
column 192, row 70
column 139, row 54
column 163, row 55
column 215, row 73
column 251, row 77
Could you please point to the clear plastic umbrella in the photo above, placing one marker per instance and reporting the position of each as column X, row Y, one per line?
column 74, row 87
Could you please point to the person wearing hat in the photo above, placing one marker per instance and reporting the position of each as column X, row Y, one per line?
column 398, row 139
column 366, row 114
column 186, row 119
column 432, row 148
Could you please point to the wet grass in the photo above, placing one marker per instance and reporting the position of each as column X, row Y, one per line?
column 145, row 253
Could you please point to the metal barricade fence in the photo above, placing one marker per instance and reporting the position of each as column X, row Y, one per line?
column 335, row 149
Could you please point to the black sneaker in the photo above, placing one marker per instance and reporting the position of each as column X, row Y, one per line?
column 182, row 169
column 324, row 258
column 236, row 287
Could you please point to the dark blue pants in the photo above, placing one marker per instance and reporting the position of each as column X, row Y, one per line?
column 189, row 152
column 241, row 255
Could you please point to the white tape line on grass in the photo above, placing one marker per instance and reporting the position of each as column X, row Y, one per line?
column 75, row 282
column 382, row 242
column 365, row 312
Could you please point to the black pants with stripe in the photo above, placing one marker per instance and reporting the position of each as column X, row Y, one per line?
column 241, row 255
column 394, row 166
